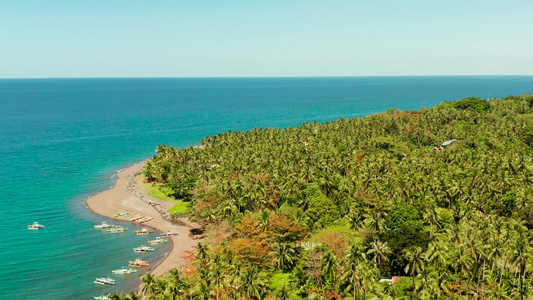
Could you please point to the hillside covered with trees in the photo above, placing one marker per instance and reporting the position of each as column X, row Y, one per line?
column 325, row 211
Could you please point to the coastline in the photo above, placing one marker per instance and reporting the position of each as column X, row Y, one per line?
column 120, row 199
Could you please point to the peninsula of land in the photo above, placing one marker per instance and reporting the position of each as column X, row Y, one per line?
column 121, row 199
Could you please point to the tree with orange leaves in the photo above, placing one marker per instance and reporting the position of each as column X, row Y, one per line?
column 281, row 228
column 251, row 245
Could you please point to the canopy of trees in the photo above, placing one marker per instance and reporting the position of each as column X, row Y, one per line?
column 325, row 211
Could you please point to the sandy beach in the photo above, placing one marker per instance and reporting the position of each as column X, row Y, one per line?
column 120, row 199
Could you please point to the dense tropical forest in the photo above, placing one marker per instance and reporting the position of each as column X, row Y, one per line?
column 428, row 204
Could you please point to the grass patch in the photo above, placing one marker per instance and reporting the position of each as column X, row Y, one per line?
column 180, row 207
column 276, row 283
column 156, row 190
column 343, row 230
column 159, row 191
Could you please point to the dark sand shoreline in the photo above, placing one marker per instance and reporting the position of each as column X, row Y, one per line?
column 121, row 199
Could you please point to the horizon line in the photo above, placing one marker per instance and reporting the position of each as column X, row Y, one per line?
column 243, row 77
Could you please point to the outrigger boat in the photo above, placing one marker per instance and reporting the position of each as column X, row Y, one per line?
column 124, row 270
column 144, row 230
column 137, row 217
column 35, row 226
column 117, row 229
column 157, row 240
column 168, row 234
column 104, row 225
column 121, row 214
column 146, row 220
column 138, row 263
column 143, row 249
column 105, row 280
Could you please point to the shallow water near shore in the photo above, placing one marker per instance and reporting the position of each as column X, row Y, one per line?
column 63, row 140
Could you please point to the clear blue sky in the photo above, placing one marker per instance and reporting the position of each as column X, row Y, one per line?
column 220, row 38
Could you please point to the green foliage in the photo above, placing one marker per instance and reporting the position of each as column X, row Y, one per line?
column 404, row 218
column 506, row 206
column 404, row 230
column 445, row 217
column 398, row 148
column 472, row 103
column 180, row 189
column 180, row 208
column 341, row 229
column 159, row 191
column 511, row 97
column 529, row 101
column 526, row 135
column 276, row 281
column 391, row 111
column 320, row 210
column 404, row 286
column 458, row 218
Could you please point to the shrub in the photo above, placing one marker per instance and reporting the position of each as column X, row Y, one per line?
column 472, row 103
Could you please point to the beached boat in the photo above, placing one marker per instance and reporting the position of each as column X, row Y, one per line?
column 137, row 217
column 104, row 225
column 143, row 249
column 117, row 229
column 168, row 234
column 35, row 226
column 145, row 220
column 121, row 214
column 138, row 263
column 157, row 240
column 144, row 230
column 104, row 280
column 124, row 270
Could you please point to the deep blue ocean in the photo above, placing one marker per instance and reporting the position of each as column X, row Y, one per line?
column 63, row 140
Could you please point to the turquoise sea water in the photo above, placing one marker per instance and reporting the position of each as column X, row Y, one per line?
column 62, row 140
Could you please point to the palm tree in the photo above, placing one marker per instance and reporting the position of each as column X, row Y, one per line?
column 252, row 283
column 201, row 253
column 329, row 267
column 132, row 296
column 416, row 258
column 380, row 251
column 431, row 218
column 283, row 257
column 436, row 255
column 176, row 285
column 217, row 276
column 497, row 292
column 350, row 269
column 521, row 259
column 283, row 293
column 115, row 297
column 202, row 292
column 149, row 284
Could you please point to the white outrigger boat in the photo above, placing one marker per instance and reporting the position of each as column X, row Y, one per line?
column 124, row 270
column 118, row 229
column 104, row 225
column 105, row 280
column 35, row 226
column 143, row 248
column 157, row 240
